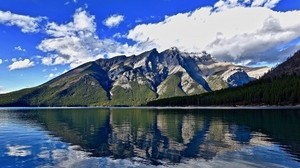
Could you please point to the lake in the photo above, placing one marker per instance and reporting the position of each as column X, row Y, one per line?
column 91, row 137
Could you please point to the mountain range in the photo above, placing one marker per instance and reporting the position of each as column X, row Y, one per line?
column 136, row 80
column 280, row 86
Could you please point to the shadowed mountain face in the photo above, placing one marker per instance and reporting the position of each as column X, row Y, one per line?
column 290, row 67
column 135, row 80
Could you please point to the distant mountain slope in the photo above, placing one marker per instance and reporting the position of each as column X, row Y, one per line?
column 135, row 80
column 290, row 67
column 280, row 86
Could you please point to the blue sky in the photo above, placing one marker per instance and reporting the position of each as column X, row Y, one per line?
column 41, row 39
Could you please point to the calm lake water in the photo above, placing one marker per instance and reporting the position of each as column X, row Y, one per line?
column 149, row 137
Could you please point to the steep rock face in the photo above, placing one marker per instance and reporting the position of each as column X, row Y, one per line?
column 135, row 80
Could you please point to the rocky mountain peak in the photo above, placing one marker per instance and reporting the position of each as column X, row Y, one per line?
column 175, row 49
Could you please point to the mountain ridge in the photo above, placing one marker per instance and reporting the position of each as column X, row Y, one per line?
column 135, row 80
column 280, row 86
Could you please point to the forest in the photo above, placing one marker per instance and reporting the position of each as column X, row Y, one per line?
column 283, row 90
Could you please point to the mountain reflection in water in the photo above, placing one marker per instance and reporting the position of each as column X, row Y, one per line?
column 163, row 137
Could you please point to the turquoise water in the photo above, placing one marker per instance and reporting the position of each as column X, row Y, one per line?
column 149, row 138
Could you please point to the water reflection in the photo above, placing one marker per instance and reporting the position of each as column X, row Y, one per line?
column 174, row 136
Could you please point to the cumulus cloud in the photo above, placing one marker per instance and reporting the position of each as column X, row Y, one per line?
column 21, row 64
column 244, row 30
column 27, row 24
column 19, row 48
column 47, row 60
column 113, row 21
column 1, row 61
column 72, row 43
column 77, row 42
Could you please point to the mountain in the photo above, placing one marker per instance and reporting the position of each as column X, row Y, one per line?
column 280, row 86
column 135, row 80
column 291, row 67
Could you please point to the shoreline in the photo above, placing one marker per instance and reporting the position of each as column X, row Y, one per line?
column 159, row 107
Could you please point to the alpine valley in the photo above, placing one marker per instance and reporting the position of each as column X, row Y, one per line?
column 136, row 80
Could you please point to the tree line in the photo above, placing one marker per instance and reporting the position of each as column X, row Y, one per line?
column 283, row 90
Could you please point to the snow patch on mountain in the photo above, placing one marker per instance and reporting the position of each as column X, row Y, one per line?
column 258, row 72
column 236, row 77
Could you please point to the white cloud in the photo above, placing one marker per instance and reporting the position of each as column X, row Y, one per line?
column 26, row 23
column 52, row 75
column 233, row 30
column 77, row 42
column 258, row 2
column 227, row 4
column 265, row 3
column 21, row 64
column 47, row 60
column 118, row 35
column 1, row 61
column 72, row 43
column 235, row 33
column 113, row 21
column 19, row 48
